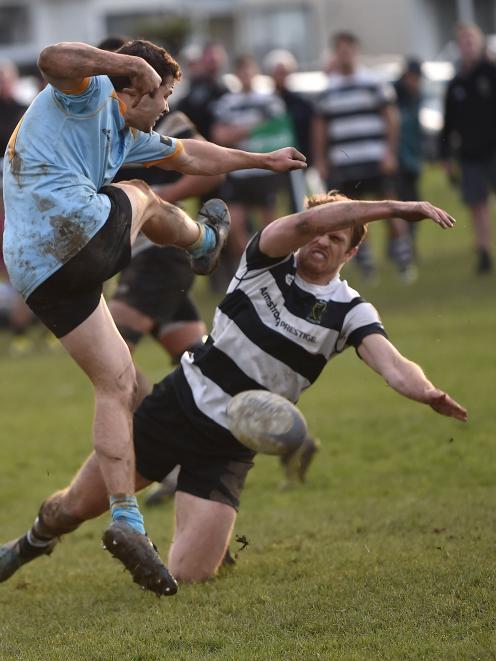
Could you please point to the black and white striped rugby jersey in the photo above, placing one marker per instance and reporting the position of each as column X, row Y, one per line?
column 272, row 331
column 356, row 129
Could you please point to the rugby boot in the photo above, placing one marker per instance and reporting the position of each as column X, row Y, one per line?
column 139, row 556
column 215, row 214
column 165, row 490
column 295, row 464
column 18, row 552
column 228, row 560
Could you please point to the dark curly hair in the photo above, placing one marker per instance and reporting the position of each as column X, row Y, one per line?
column 158, row 58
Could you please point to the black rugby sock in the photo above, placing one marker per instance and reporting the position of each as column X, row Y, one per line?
column 35, row 539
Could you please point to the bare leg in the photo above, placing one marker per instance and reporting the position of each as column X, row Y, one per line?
column 203, row 531
column 20, row 316
column 178, row 337
column 400, row 249
column 60, row 514
column 482, row 225
column 162, row 222
column 85, row 498
column 126, row 316
column 98, row 348
column 238, row 237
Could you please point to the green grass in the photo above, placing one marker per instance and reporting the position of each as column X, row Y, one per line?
column 386, row 553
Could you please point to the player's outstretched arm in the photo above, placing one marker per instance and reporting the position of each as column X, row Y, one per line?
column 406, row 377
column 201, row 157
column 189, row 185
column 67, row 64
column 289, row 233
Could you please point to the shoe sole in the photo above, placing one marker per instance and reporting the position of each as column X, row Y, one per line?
column 215, row 214
column 139, row 557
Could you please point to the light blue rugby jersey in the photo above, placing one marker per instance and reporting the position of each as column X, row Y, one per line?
column 66, row 147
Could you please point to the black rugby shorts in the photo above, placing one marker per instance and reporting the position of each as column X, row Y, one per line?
column 71, row 294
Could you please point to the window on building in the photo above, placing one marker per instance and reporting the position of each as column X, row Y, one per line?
column 282, row 28
column 15, row 25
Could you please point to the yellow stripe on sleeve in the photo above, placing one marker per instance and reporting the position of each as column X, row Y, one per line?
column 77, row 90
column 177, row 151
column 122, row 105
column 12, row 141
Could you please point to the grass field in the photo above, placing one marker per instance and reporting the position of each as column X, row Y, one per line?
column 387, row 553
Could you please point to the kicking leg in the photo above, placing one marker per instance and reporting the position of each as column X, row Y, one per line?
column 201, row 538
column 165, row 224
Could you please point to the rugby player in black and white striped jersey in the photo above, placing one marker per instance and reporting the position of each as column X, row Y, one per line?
column 285, row 315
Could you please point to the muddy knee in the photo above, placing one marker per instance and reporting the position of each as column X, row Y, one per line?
column 55, row 518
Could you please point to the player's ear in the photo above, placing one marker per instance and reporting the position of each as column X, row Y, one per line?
column 351, row 253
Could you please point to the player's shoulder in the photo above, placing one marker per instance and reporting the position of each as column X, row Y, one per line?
column 91, row 93
column 253, row 259
column 343, row 293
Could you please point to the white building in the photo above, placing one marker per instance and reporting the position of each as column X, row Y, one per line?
column 408, row 27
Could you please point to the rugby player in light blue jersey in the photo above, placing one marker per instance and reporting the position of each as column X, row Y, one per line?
column 67, row 231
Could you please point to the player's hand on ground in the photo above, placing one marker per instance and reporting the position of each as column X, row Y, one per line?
column 286, row 159
column 442, row 403
column 416, row 211
column 144, row 81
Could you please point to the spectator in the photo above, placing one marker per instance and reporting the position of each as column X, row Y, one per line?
column 408, row 94
column 19, row 316
column 279, row 64
column 11, row 110
column 14, row 312
column 356, row 139
column 253, row 121
column 469, row 134
column 205, row 88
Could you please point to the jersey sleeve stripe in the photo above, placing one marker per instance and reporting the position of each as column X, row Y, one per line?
column 79, row 89
column 177, row 151
column 356, row 337
column 122, row 105
column 12, row 140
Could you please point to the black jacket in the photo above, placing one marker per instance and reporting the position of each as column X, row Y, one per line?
column 470, row 114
